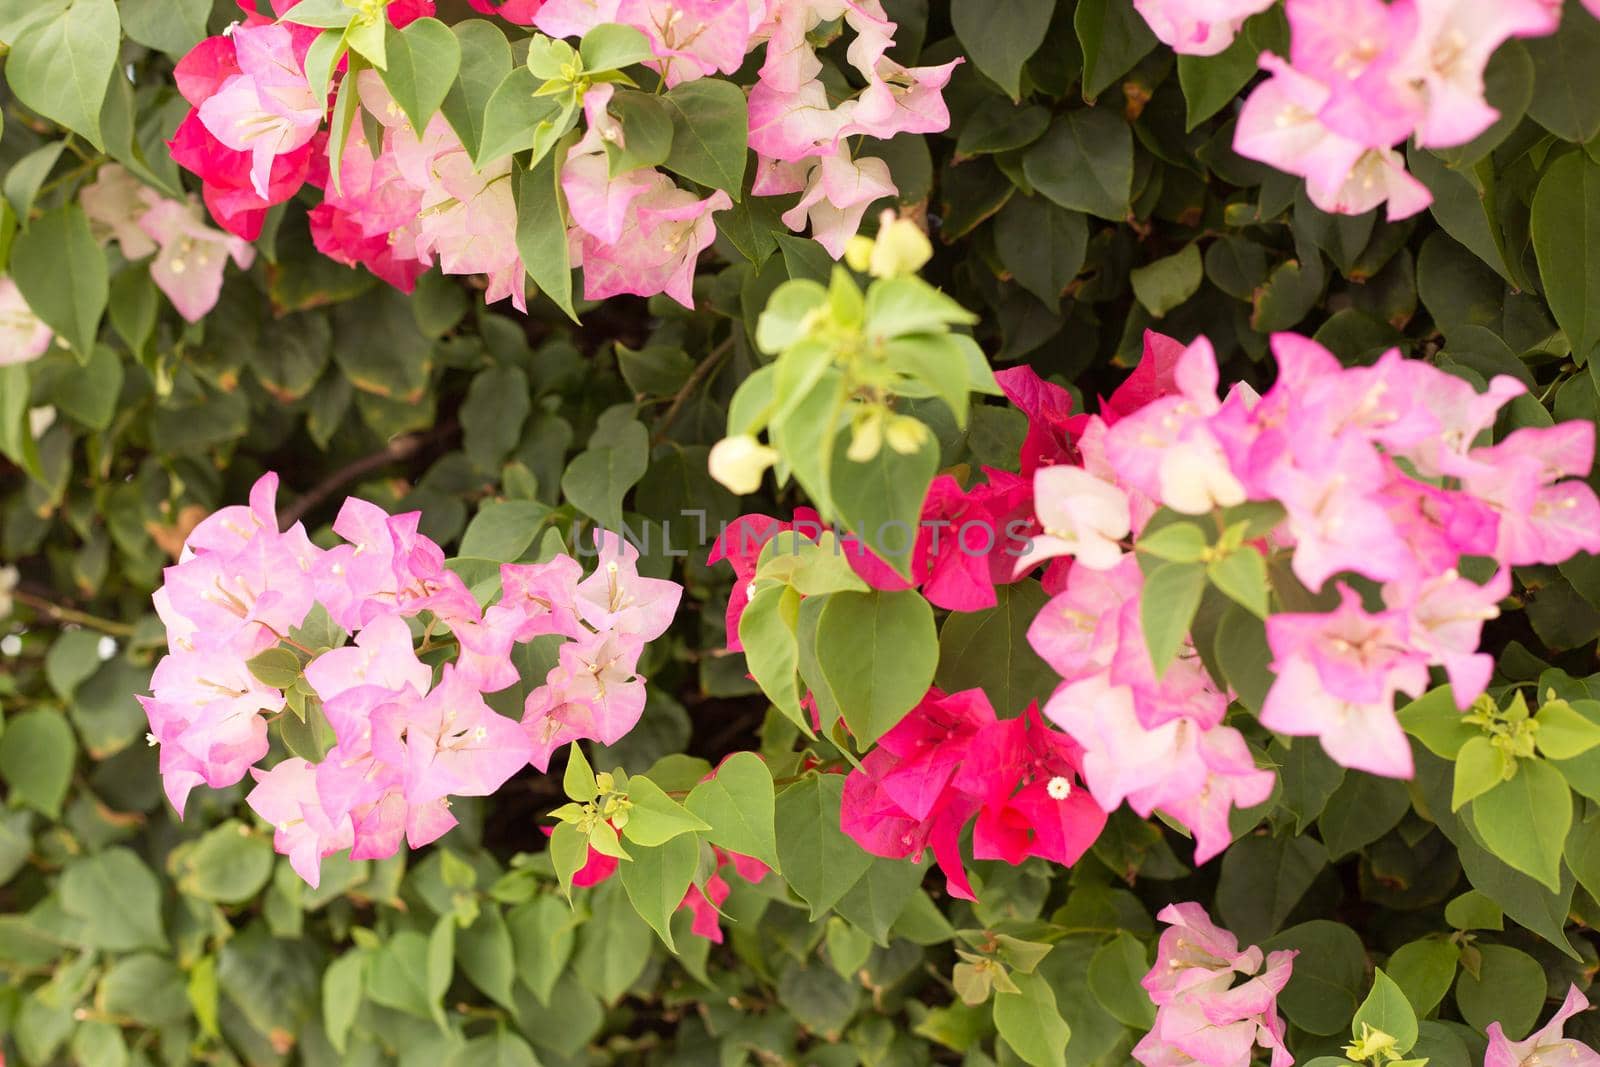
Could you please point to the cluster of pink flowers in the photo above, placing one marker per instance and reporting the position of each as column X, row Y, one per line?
column 951, row 762
column 1361, row 77
column 405, row 742
column 1546, row 1043
column 1204, row 1013
column 190, row 256
column 1379, row 474
column 257, row 133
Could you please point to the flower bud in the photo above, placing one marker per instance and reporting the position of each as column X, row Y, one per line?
column 738, row 462
column 901, row 248
column 906, row 435
column 866, row 437
column 858, row 253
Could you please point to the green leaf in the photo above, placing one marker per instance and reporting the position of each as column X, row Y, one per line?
column 513, row 116
column 1114, row 37
column 61, row 272
column 1564, row 732
column 397, row 973
column 542, row 231
column 1329, row 974
column 16, row 435
column 1030, row 1022
column 230, row 864
column 1423, row 970
column 819, row 862
column 646, row 132
column 61, row 67
column 710, row 131
column 599, row 477
column 1473, row 910
column 1566, row 92
column 484, row 951
column 485, row 61
column 1163, row 285
column 1177, row 542
column 1001, row 35
column 440, row 966
column 1566, row 238
column 170, row 26
column 1480, row 767
column 499, row 1049
column 611, row 46
column 1387, row 1009
column 1242, row 575
column 1114, row 976
column 1210, row 82
column 502, row 530
column 1263, row 879
column 342, row 988
column 276, row 668
column 738, row 804
column 1167, row 605
column 1084, row 162
column 655, row 817
column 656, row 879
column 989, row 650
column 1041, row 244
column 578, row 780
column 117, row 899
column 1525, row 821
column 1361, row 810
column 1509, row 989
column 880, row 897
column 37, row 753
column 542, row 937
column 879, row 500
column 1434, row 719
column 1244, row 656
column 878, row 652
column 423, row 61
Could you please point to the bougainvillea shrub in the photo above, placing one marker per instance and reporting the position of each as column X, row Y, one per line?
column 608, row 532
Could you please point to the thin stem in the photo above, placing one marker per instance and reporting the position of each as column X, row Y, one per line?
column 698, row 376
column 400, row 448
column 59, row 613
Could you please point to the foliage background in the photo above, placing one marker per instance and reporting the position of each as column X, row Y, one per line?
column 1085, row 191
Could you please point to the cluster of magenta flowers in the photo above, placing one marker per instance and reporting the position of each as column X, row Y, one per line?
column 407, row 736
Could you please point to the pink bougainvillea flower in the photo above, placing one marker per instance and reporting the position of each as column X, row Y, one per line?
column 616, row 599
column 538, row 598
column 837, row 194
column 574, row 18
column 1546, row 1044
column 286, row 796
column 192, row 257
column 1202, row 1015
column 1454, row 41
column 268, row 109
column 23, row 336
column 1543, row 519
column 1444, row 621
column 1337, row 675
column 693, row 38
column 1355, row 50
column 1082, row 516
column 520, row 12
column 1197, row 27
column 115, row 202
column 454, row 744
column 228, row 185
column 665, row 230
column 1048, row 406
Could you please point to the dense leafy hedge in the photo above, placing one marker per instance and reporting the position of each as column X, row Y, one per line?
column 301, row 247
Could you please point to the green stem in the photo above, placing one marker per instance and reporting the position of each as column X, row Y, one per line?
column 59, row 613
